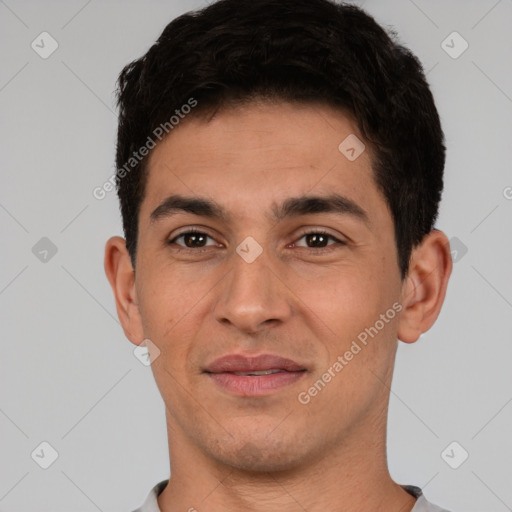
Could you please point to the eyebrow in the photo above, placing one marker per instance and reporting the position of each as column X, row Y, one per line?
column 291, row 207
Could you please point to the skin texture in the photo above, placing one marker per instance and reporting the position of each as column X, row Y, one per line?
column 272, row 452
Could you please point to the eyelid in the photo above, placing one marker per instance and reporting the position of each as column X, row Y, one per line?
column 186, row 231
column 319, row 231
column 307, row 231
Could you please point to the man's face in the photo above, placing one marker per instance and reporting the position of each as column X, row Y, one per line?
column 213, row 294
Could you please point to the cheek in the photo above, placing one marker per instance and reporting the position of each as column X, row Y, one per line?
column 349, row 305
column 165, row 303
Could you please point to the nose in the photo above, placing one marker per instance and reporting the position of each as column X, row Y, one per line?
column 253, row 295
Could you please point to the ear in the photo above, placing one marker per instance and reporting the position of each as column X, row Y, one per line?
column 121, row 276
column 424, row 288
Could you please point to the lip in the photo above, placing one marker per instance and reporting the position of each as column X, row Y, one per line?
column 223, row 372
column 241, row 363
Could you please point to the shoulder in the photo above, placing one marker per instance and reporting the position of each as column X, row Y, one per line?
column 422, row 504
column 151, row 503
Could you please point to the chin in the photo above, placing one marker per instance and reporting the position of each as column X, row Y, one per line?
column 261, row 455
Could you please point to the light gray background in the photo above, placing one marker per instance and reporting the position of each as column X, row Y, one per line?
column 69, row 376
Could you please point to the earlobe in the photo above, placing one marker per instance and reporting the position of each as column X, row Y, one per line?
column 120, row 274
column 424, row 289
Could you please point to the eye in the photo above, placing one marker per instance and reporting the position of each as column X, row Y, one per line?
column 318, row 240
column 196, row 240
column 193, row 239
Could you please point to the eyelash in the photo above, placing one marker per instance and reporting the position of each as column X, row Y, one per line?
column 201, row 250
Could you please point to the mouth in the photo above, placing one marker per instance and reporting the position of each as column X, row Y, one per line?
column 254, row 376
column 257, row 372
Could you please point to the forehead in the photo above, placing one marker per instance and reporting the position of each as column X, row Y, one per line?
column 252, row 157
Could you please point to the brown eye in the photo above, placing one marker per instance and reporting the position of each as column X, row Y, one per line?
column 192, row 239
column 318, row 239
